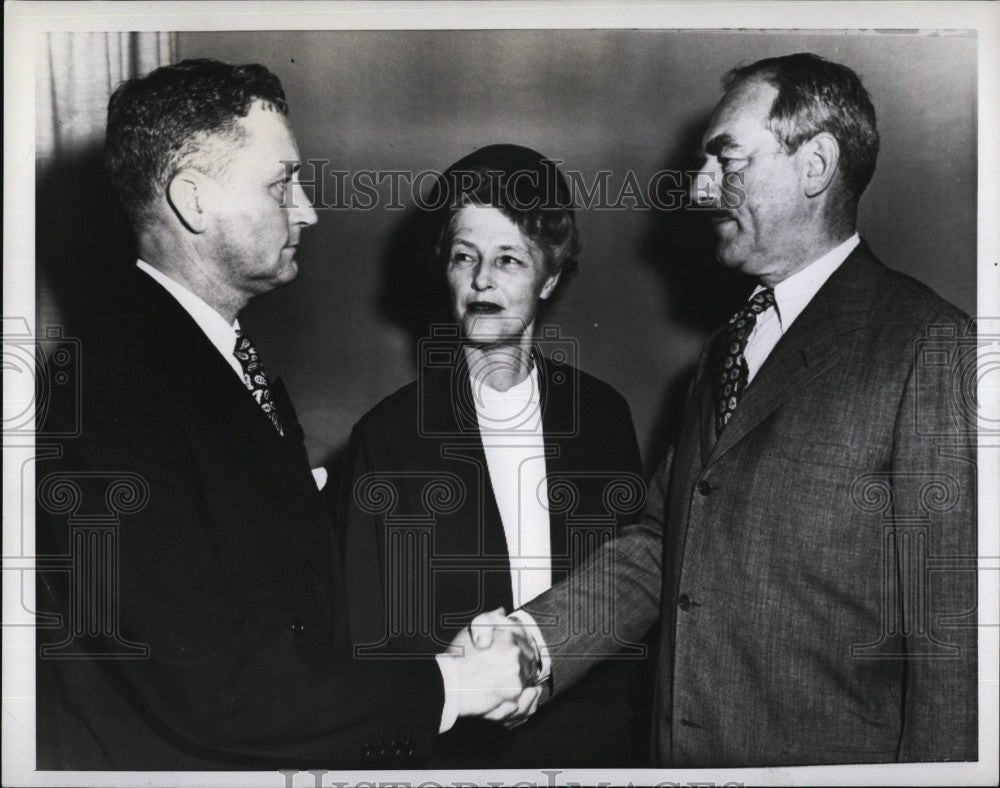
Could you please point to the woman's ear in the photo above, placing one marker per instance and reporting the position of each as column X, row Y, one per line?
column 549, row 287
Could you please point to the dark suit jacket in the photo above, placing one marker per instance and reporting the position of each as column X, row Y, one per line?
column 813, row 570
column 418, row 477
column 214, row 633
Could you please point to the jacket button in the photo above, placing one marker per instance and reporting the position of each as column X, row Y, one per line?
column 704, row 487
column 298, row 627
column 684, row 602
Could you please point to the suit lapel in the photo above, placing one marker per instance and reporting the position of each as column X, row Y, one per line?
column 451, row 405
column 810, row 347
column 704, row 398
column 198, row 380
column 294, row 434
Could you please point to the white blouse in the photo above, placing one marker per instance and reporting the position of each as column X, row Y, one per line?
column 510, row 424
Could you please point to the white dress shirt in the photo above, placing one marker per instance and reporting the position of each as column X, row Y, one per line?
column 791, row 296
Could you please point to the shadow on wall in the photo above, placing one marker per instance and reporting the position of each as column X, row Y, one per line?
column 413, row 294
column 82, row 237
column 700, row 294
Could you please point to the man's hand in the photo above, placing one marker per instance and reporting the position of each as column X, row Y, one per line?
column 496, row 675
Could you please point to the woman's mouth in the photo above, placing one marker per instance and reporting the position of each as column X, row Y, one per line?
column 482, row 308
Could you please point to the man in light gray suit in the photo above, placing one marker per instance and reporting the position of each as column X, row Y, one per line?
column 823, row 464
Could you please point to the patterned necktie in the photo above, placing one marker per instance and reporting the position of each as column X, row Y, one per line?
column 732, row 378
column 255, row 379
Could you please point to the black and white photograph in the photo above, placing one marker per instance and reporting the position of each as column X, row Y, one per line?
column 502, row 393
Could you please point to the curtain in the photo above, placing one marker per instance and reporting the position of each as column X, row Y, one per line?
column 75, row 76
column 81, row 235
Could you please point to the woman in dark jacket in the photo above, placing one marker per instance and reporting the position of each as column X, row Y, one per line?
column 500, row 469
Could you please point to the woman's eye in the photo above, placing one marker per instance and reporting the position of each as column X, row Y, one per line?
column 729, row 165
column 461, row 258
column 507, row 260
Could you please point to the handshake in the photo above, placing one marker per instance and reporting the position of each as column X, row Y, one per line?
column 498, row 668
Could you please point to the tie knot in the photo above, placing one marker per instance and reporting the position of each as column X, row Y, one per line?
column 762, row 301
column 742, row 323
column 244, row 351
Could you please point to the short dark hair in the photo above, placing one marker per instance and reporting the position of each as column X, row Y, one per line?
column 177, row 116
column 524, row 186
column 814, row 95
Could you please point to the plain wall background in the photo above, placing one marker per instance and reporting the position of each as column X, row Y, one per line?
column 648, row 291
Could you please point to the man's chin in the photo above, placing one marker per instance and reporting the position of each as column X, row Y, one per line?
column 287, row 272
column 729, row 255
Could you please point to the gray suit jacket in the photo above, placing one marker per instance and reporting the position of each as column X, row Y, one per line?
column 813, row 570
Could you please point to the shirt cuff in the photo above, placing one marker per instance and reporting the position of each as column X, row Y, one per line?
column 526, row 620
column 449, row 675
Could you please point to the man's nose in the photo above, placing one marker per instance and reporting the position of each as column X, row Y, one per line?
column 301, row 211
column 705, row 186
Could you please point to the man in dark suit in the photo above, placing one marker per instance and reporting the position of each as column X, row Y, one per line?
column 824, row 461
column 202, row 623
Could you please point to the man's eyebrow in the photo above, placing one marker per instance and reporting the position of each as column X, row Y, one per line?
column 288, row 169
column 719, row 143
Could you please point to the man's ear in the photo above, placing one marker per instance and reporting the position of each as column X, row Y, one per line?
column 821, row 156
column 186, row 195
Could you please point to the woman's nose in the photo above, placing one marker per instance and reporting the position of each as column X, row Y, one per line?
column 483, row 278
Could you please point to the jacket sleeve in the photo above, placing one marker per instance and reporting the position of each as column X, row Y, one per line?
column 623, row 577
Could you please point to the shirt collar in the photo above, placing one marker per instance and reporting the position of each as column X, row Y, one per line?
column 793, row 294
column 527, row 389
column 220, row 333
column 515, row 410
